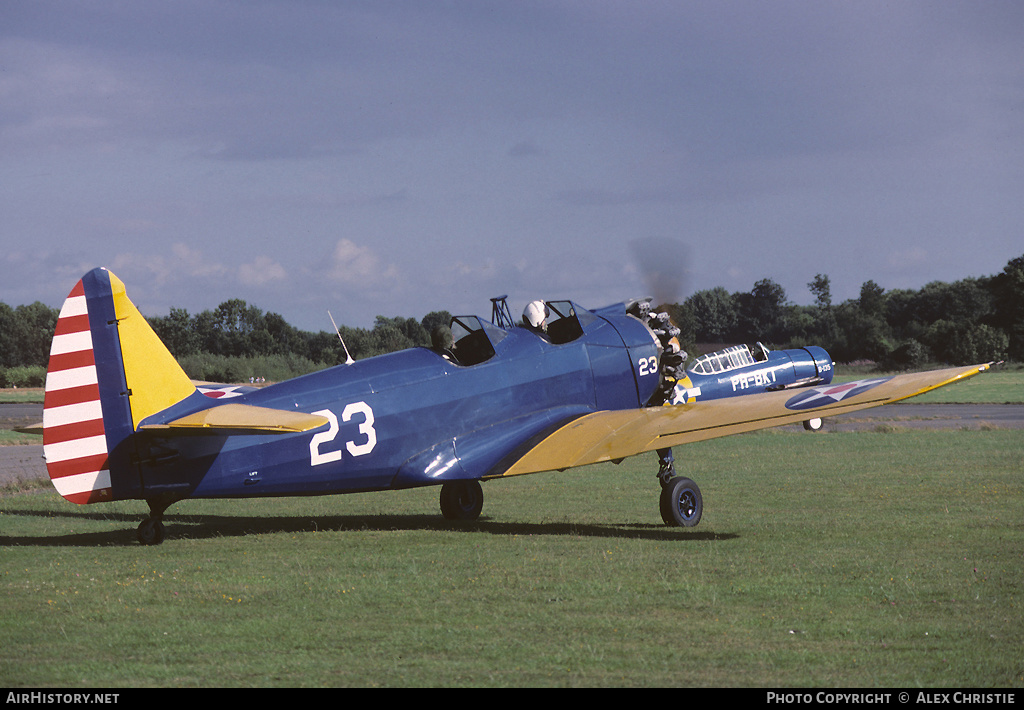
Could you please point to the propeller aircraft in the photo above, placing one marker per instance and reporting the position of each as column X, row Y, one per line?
column 492, row 399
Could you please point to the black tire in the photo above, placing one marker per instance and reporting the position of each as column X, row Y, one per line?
column 681, row 503
column 150, row 532
column 462, row 500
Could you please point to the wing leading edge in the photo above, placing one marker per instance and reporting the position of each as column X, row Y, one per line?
column 613, row 435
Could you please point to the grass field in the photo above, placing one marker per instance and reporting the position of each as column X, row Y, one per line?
column 996, row 386
column 836, row 560
column 15, row 394
column 14, row 438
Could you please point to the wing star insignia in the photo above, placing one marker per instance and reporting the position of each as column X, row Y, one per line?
column 823, row 396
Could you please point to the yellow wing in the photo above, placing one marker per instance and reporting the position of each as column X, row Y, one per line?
column 613, row 435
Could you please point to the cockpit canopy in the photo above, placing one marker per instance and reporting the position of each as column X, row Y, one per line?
column 566, row 321
column 728, row 359
column 474, row 340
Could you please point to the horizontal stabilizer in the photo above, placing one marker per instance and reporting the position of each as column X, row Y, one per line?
column 36, row 428
column 241, row 419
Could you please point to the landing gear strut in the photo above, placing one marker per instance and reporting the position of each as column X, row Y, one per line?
column 681, row 503
column 667, row 467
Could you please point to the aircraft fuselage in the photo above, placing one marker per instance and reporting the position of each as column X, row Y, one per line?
column 410, row 418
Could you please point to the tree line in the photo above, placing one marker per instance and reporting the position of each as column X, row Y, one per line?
column 970, row 321
column 965, row 322
column 234, row 342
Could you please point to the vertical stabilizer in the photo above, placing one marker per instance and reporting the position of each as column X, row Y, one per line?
column 108, row 371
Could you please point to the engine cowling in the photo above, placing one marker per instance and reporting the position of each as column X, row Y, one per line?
column 811, row 364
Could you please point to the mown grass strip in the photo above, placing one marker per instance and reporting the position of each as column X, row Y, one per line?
column 852, row 560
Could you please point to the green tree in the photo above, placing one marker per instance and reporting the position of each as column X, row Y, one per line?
column 434, row 319
column 284, row 338
column 1008, row 299
column 10, row 340
column 762, row 313
column 872, row 299
column 387, row 336
column 862, row 335
column 177, row 331
column 821, row 287
column 962, row 343
column 824, row 316
column 714, row 313
column 35, row 326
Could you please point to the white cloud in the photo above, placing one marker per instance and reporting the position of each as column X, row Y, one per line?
column 261, row 271
column 354, row 265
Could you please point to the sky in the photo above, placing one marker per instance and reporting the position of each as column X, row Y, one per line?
column 401, row 157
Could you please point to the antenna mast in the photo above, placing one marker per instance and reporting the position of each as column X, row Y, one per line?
column 348, row 357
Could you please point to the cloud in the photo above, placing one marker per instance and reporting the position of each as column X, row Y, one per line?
column 903, row 258
column 210, row 150
column 352, row 265
column 261, row 271
column 68, row 97
column 163, row 270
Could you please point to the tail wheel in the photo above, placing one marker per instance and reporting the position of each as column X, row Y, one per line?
column 681, row 503
column 462, row 500
column 150, row 532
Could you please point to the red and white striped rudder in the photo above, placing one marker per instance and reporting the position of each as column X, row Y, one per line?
column 108, row 372
column 74, row 439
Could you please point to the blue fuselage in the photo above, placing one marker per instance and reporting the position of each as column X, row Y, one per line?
column 724, row 374
column 411, row 418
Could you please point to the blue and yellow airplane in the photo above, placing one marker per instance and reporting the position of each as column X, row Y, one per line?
column 493, row 399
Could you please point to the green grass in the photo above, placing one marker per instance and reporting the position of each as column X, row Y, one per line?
column 15, row 438
column 20, row 394
column 1000, row 385
column 837, row 560
column 992, row 387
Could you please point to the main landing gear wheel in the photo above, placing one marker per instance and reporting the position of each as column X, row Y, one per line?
column 681, row 502
column 462, row 500
column 813, row 425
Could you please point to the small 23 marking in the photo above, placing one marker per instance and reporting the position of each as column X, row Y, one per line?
column 318, row 457
column 648, row 365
